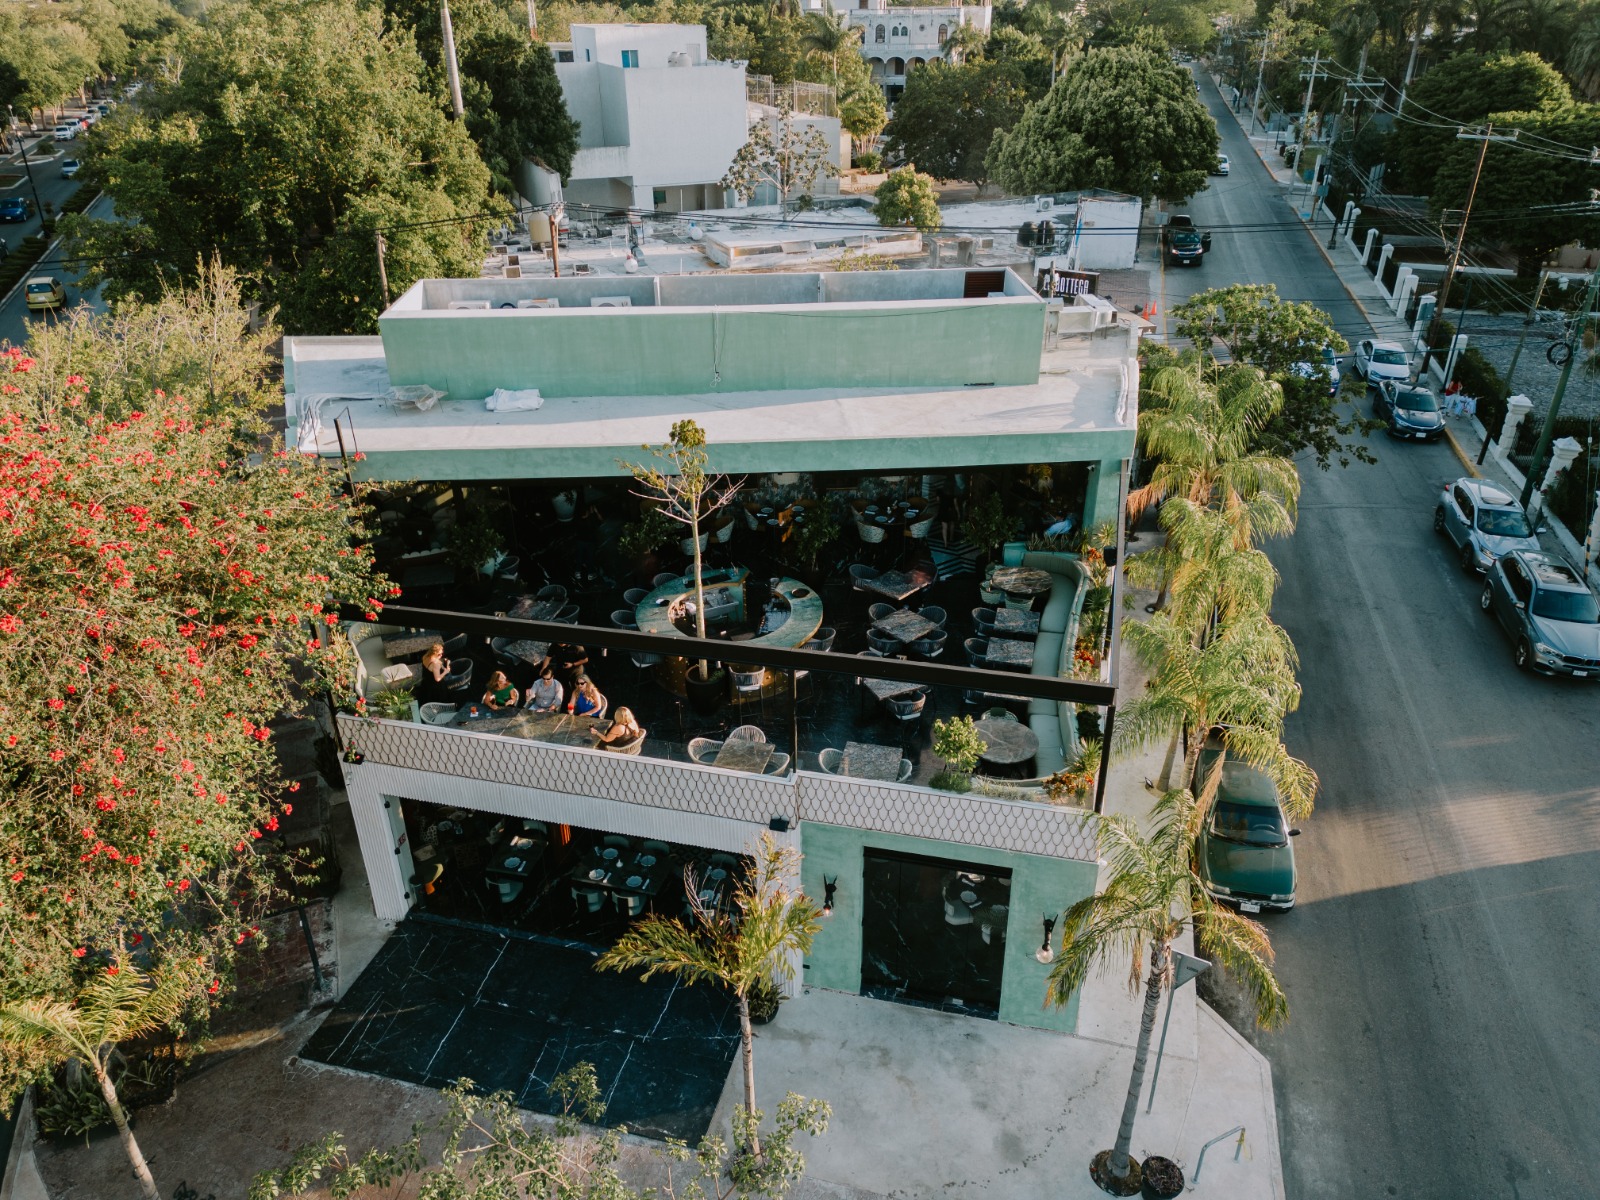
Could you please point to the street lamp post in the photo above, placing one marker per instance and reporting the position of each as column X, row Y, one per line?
column 26, row 165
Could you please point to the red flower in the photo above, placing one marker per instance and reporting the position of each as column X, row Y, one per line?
column 16, row 877
column 215, row 984
column 183, row 885
column 112, row 970
column 79, row 952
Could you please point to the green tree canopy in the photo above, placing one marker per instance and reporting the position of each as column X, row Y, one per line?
column 294, row 132
column 1124, row 118
column 1466, row 89
column 513, row 100
column 946, row 118
column 1528, row 199
column 163, row 562
column 907, row 198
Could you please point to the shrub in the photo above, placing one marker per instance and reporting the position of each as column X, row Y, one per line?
column 869, row 161
column 958, row 742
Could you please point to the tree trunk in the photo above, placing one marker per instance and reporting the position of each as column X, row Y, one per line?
column 699, row 588
column 1165, row 782
column 1194, row 743
column 747, row 1037
column 1141, row 1052
column 141, row 1169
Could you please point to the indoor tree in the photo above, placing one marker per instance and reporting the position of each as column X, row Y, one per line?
column 746, row 946
column 1150, row 898
column 678, row 484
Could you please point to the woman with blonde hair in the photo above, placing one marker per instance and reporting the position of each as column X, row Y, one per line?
column 435, row 663
column 500, row 694
column 623, row 728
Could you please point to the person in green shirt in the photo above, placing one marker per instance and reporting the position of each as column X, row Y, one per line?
column 500, row 694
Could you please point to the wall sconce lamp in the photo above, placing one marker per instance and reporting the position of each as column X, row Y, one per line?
column 1044, row 954
column 829, row 886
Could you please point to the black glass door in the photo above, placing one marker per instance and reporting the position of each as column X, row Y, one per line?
column 934, row 932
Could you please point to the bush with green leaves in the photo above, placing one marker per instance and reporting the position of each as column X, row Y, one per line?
column 958, row 742
column 907, row 198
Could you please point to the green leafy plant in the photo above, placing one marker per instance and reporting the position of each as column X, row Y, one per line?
column 393, row 704
column 869, row 161
column 473, row 540
column 645, row 535
column 812, row 536
column 958, row 742
column 988, row 524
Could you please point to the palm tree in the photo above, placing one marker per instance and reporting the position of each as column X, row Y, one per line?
column 745, row 947
column 1209, row 563
column 120, row 1002
column 1582, row 59
column 1150, row 897
column 1199, row 424
column 1240, row 682
column 827, row 33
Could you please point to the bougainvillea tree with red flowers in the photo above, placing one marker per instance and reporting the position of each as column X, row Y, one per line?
column 164, row 564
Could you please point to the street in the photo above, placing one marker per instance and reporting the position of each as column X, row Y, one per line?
column 1439, row 965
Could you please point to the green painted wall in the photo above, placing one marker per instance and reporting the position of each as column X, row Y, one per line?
column 1107, row 447
column 1039, row 885
column 662, row 351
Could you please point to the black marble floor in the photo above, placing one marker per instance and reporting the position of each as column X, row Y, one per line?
column 442, row 1001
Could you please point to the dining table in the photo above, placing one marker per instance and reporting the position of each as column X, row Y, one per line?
column 1022, row 581
column 621, row 871
column 515, row 859
column 1006, row 743
column 561, row 729
column 864, row 760
column 743, row 755
column 888, row 689
column 408, row 642
column 897, row 585
column 1016, row 622
column 1009, row 654
column 905, row 626
column 527, row 608
column 528, row 651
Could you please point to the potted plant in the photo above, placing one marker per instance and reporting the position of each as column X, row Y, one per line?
column 393, row 704
column 472, row 541
column 682, row 490
column 811, row 537
column 1161, row 1178
column 988, row 524
column 565, row 504
column 958, row 742
column 641, row 540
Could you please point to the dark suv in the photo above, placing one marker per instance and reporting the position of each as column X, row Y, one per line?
column 1549, row 611
column 1412, row 411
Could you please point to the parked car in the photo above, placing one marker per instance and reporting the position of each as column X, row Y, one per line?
column 1382, row 360
column 1411, row 410
column 1552, row 615
column 104, row 107
column 1319, row 361
column 1222, row 165
column 1482, row 522
column 1243, row 854
column 45, row 291
column 70, row 167
column 16, row 208
column 65, row 132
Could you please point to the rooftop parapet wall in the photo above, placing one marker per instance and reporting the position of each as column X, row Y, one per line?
column 690, row 335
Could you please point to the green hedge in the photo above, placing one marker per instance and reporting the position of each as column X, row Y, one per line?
column 21, row 260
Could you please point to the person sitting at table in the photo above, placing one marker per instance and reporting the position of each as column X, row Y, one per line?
column 586, row 699
column 623, row 728
column 568, row 661
column 546, row 694
column 500, row 694
column 435, row 663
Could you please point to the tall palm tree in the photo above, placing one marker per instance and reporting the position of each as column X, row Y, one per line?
column 1240, row 682
column 1582, row 58
column 118, row 1003
column 1209, row 563
column 749, row 945
column 1199, row 423
column 1150, row 897
column 828, row 33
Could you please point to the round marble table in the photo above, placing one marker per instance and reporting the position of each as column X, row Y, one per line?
column 1009, row 742
column 1022, row 581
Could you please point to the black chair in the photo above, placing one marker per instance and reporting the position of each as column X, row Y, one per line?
column 934, row 613
column 977, row 651
column 880, row 612
column 983, row 621
column 930, row 647
column 888, row 647
column 459, row 680
column 456, row 645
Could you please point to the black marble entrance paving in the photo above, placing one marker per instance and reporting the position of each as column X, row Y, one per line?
column 443, row 1000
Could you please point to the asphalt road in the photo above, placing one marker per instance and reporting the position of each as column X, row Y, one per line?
column 1440, row 964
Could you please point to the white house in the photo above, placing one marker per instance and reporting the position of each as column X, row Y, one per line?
column 659, row 121
column 896, row 39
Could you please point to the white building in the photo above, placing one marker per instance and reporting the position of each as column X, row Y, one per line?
column 659, row 121
column 897, row 39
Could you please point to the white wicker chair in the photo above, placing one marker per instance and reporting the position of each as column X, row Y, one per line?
column 829, row 759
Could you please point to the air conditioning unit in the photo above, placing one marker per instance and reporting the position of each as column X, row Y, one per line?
column 551, row 302
column 611, row 302
column 473, row 304
column 1044, row 204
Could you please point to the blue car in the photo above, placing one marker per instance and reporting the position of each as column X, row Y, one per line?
column 16, row 208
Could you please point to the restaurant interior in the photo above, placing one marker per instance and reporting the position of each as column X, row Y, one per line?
column 893, row 566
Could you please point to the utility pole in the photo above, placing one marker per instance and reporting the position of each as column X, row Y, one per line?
column 1548, row 432
column 1305, row 111
column 533, row 22
column 1522, row 338
column 22, row 146
column 1486, row 136
column 1261, row 70
column 450, row 65
column 1411, row 66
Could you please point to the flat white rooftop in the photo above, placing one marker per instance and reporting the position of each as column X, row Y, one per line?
column 1081, row 407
